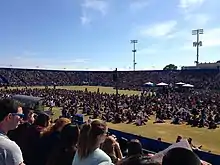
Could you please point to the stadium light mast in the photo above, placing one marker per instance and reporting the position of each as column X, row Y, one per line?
column 134, row 52
column 197, row 43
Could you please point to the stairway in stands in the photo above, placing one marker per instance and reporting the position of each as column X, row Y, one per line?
column 5, row 81
column 69, row 78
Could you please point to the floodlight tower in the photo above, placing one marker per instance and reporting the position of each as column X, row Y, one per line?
column 198, row 43
column 134, row 52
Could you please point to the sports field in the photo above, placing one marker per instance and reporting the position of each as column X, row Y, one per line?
column 209, row 139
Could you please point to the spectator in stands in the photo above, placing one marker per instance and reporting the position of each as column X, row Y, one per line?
column 135, row 155
column 89, row 120
column 159, row 139
column 192, row 145
column 17, row 134
column 51, row 137
column 32, row 138
column 134, row 148
column 178, row 139
column 10, row 117
column 180, row 156
column 91, row 137
column 112, row 149
column 64, row 153
column 137, row 160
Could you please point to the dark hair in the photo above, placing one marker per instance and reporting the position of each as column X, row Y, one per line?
column 65, row 152
column 178, row 139
column 27, row 113
column 190, row 140
column 138, row 160
column 8, row 106
column 180, row 156
column 134, row 147
column 88, row 137
column 69, row 135
column 42, row 120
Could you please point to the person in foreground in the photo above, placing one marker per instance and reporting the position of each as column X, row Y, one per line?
column 64, row 153
column 90, row 138
column 10, row 117
column 180, row 156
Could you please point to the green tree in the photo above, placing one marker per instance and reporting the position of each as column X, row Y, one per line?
column 170, row 67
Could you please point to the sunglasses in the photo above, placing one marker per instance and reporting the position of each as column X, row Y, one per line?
column 18, row 114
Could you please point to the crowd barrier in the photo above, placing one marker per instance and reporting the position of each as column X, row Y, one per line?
column 156, row 146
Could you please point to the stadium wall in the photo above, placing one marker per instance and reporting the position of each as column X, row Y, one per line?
column 156, row 146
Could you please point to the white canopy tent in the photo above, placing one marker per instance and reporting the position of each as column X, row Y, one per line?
column 149, row 83
column 180, row 83
column 188, row 86
column 162, row 84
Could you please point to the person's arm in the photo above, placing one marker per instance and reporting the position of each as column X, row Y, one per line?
column 118, row 150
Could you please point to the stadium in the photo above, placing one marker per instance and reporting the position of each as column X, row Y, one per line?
column 69, row 84
column 76, row 90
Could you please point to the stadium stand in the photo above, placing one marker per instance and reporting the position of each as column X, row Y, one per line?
column 202, row 78
column 36, row 134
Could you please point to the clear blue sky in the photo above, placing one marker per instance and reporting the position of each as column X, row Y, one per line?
column 96, row 34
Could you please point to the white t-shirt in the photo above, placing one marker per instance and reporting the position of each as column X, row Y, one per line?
column 10, row 152
column 97, row 157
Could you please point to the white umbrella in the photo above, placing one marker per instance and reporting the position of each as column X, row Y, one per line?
column 188, row 85
column 180, row 83
column 149, row 83
column 162, row 84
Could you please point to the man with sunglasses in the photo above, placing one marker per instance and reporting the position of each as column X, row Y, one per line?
column 11, row 115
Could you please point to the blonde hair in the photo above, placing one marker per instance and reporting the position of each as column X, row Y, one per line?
column 60, row 123
column 88, row 138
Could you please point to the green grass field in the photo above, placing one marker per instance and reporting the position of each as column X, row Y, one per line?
column 209, row 139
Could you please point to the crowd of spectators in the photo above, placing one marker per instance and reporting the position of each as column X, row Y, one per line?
column 195, row 108
column 32, row 139
column 202, row 79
